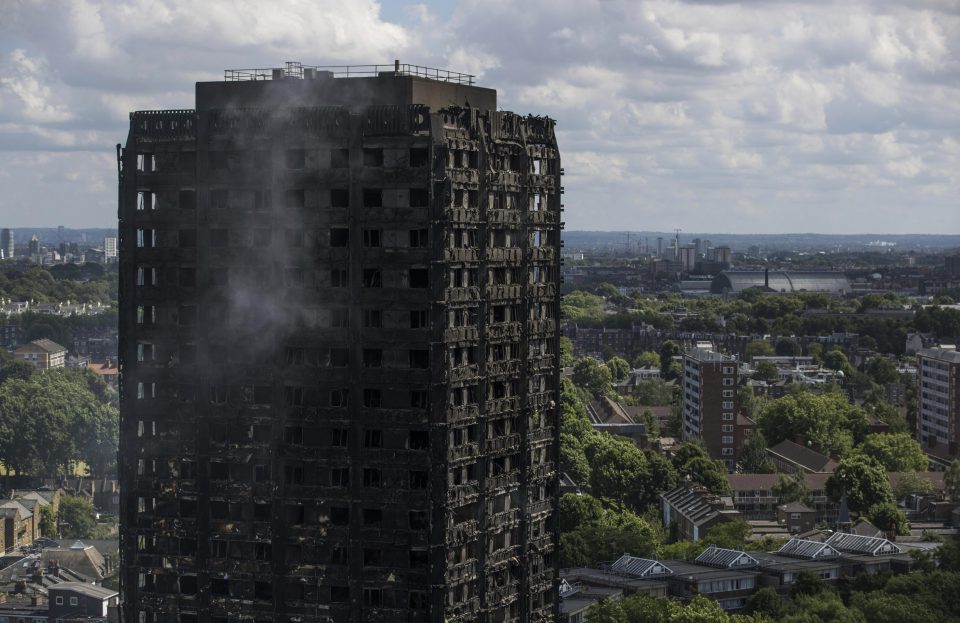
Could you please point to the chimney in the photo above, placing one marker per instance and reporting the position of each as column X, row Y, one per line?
column 37, row 600
column 396, row 65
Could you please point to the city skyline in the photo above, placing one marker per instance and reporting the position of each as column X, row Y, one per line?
column 763, row 118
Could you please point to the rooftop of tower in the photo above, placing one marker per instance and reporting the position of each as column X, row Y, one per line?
column 352, row 86
column 297, row 70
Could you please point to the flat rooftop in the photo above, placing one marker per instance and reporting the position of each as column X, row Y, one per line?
column 352, row 86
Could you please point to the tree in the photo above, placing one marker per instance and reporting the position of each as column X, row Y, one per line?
column 758, row 348
column 807, row 583
column 653, row 393
column 668, row 350
column 951, row 480
column 729, row 534
column 897, row 452
column 792, row 488
column 766, row 602
column 888, row 518
column 909, row 484
column 592, row 375
column 787, row 347
column 883, row 371
column 647, row 359
column 650, row 424
column 836, row 360
column 753, row 456
column 766, row 371
column 76, row 517
column 566, row 352
column 694, row 464
column 863, row 480
column 606, row 611
column 827, row 420
column 618, row 469
column 48, row 522
column 879, row 607
column 619, row 368
column 948, row 555
column 573, row 460
column 578, row 510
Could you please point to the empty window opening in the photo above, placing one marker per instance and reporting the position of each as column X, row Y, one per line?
column 373, row 157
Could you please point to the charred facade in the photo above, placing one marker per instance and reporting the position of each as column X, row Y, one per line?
column 340, row 353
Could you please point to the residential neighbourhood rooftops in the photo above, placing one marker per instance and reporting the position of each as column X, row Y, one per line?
column 44, row 344
column 796, row 507
column 90, row 590
column 723, row 558
column 639, row 567
column 806, row 458
column 808, row 550
column 856, row 544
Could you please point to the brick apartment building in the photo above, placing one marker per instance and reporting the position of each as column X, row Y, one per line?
column 710, row 403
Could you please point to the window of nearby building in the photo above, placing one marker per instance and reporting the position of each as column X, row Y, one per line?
column 727, row 451
column 794, row 515
column 59, row 600
column 74, row 601
column 727, row 439
column 728, row 369
column 727, row 428
column 727, row 404
column 727, row 416
column 728, row 382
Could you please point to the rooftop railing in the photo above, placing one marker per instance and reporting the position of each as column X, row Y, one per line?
column 296, row 69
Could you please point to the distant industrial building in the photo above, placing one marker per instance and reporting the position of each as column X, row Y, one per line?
column 735, row 282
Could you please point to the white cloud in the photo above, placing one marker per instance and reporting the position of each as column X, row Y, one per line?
column 733, row 116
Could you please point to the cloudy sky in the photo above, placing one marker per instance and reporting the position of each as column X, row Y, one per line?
column 755, row 116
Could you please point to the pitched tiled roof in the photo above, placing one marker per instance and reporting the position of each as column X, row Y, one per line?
column 48, row 345
column 803, row 456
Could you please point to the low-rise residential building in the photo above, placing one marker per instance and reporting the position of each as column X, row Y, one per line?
column 79, row 558
column 576, row 599
column 796, row 517
column 21, row 523
column 78, row 601
column 790, row 457
column 727, row 576
column 689, row 513
column 43, row 354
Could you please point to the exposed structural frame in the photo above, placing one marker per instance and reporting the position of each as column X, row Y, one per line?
column 205, row 431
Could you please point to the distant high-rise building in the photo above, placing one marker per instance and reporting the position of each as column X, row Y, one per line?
column 951, row 264
column 34, row 246
column 60, row 232
column 339, row 333
column 7, row 244
column 938, row 413
column 659, row 247
column 710, row 403
column 110, row 249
